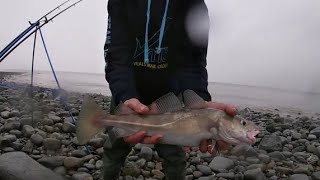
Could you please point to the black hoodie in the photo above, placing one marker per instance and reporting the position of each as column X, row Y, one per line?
column 149, row 53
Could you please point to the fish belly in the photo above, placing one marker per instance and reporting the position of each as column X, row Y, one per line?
column 191, row 140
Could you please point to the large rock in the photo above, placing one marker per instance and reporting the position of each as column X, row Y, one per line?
column 221, row 163
column 271, row 143
column 254, row 174
column 298, row 177
column 19, row 166
column 244, row 150
column 52, row 162
column 315, row 131
column 4, row 142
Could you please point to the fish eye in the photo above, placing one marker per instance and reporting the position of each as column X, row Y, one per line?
column 243, row 122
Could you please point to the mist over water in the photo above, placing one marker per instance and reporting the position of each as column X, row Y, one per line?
column 240, row 95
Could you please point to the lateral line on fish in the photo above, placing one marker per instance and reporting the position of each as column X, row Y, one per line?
column 141, row 124
column 146, row 125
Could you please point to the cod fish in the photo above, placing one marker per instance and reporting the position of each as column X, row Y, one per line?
column 182, row 120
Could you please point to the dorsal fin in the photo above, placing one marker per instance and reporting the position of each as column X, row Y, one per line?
column 122, row 109
column 193, row 101
column 166, row 103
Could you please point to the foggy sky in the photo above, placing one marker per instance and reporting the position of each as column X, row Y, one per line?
column 272, row 43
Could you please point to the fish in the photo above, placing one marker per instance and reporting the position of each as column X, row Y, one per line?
column 183, row 120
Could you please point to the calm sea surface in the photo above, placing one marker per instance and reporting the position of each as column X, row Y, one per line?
column 227, row 93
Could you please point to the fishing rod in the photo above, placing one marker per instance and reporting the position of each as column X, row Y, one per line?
column 28, row 29
column 5, row 52
column 38, row 26
column 54, row 9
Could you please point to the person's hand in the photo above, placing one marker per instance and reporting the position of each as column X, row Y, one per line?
column 140, row 136
column 213, row 146
column 228, row 108
column 207, row 145
column 136, row 105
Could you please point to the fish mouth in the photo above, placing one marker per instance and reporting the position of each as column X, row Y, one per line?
column 248, row 137
column 251, row 135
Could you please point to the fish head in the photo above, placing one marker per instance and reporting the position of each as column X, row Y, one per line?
column 238, row 130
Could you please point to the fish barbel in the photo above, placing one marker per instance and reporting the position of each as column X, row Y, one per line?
column 181, row 122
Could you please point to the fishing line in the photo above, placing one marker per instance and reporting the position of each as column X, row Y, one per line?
column 64, row 102
column 31, row 85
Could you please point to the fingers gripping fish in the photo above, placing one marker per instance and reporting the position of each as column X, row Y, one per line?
column 180, row 122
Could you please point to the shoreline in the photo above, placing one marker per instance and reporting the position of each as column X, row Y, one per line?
column 51, row 142
column 6, row 76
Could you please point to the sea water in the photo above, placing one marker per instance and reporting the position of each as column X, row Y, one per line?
column 240, row 95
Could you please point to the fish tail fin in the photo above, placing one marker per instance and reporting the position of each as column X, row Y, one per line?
column 90, row 120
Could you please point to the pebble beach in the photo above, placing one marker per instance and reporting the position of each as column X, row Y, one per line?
column 37, row 138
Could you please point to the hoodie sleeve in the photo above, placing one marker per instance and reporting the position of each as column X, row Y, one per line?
column 193, row 72
column 118, row 69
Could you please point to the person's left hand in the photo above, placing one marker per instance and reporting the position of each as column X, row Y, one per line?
column 208, row 145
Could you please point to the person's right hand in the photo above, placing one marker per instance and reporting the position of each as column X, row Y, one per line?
column 140, row 136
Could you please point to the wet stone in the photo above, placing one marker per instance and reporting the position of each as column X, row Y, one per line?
column 197, row 174
column 60, row 170
column 8, row 149
column 99, row 164
column 271, row 143
column 284, row 170
column 52, row 162
column 316, row 175
column 312, row 137
column 96, row 142
column 219, row 163
column 146, row 153
column 253, row 174
column 17, row 146
column 298, row 177
column 150, row 165
column 205, row 170
column 316, row 131
column 54, row 118
column 195, row 160
column 157, row 174
column 243, row 150
column 302, row 170
column 68, row 127
column 10, row 137
column 36, row 139
column 16, row 132
column 78, row 153
column 132, row 158
column 277, row 156
column 229, row 175
column 51, row 144
column 141, row 162
column 27, row 130
column 89, row 166
column 11, row 125
column 131, row 169
column 81, row 176
column 5, row 114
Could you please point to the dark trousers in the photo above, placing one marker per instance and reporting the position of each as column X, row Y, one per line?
column 116, row 151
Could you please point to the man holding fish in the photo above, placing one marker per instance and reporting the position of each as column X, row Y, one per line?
column 150, row 58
